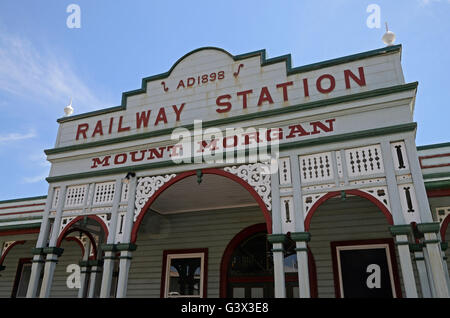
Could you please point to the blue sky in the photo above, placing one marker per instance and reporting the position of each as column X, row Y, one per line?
column 43, row 63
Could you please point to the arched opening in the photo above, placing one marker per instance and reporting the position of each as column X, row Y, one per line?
column 353, row 247
column 216, row 172
column 247, row 266
column 80, row 239
column 190, row 221
column 445, row 236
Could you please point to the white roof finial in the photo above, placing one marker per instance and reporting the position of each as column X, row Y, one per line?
column 388, row 37
column 68, row 110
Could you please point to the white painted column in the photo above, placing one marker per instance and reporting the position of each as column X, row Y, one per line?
column 108, row 269
column 421, row 270
column 38, row 257
column 433, row 249
column 278, row 264
column 127, row 248
column 429, row 273
column 109, row 248
column 52, row 251
column 96, row 269
column 401, row 233
column 277, row 239
column 301, row 239
column 417, row 177
column 84, row 271
column 124, row 268
column 391, row 182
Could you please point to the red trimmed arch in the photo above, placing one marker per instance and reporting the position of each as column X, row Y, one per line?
column 237, row 240
column 444, row 227
column 76, row 240
column 359, row 193
column 9, row 249
column 234, row 243
column 219, row 172
column 68, row 229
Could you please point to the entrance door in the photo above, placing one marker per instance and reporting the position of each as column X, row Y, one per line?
column 250, row 269
column 251, row 290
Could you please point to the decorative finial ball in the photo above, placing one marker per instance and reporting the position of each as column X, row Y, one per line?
column 68, row 110
column 389, row 38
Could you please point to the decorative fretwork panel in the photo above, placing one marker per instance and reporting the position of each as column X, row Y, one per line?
column 104, row 193
column 284, row 168
column 5, row 247
column 257, row 177
column 65, row 221
column 308, row 202
column 146, row 188
column 380, row 193
column 124, row 196
column 364, row 161
column 287, row 214
column 119, row 229
column 317, row 167
column 340, row 169
column 441, row 213
column 75, row 195
column 55, row 197
column 409, row 203
column 399, row 156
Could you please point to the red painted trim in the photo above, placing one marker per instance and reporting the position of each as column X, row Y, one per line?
column 12, row 213
column 438, row 193
column 20, row 206
column 9, row 248
column 359, row 193
column 236, row 241
column 88, row 234
column 19, row 232
column 185, row 251
column 389, row 241
column 76, row 240
column 22, row 261
column 313, row 289
column 232, row 245
column 434, row 156
column 444, row 227
column 93, row 217
column 181, row 176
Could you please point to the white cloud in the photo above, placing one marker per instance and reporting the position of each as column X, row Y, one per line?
column 16, row 136
column 37, row 159
column 35, row 179
column 427, row 2
column 42, row 77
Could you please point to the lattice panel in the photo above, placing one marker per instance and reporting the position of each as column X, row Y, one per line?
column 317, row 167
column 104, row 193
column 364, row 161
column 75, row 195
